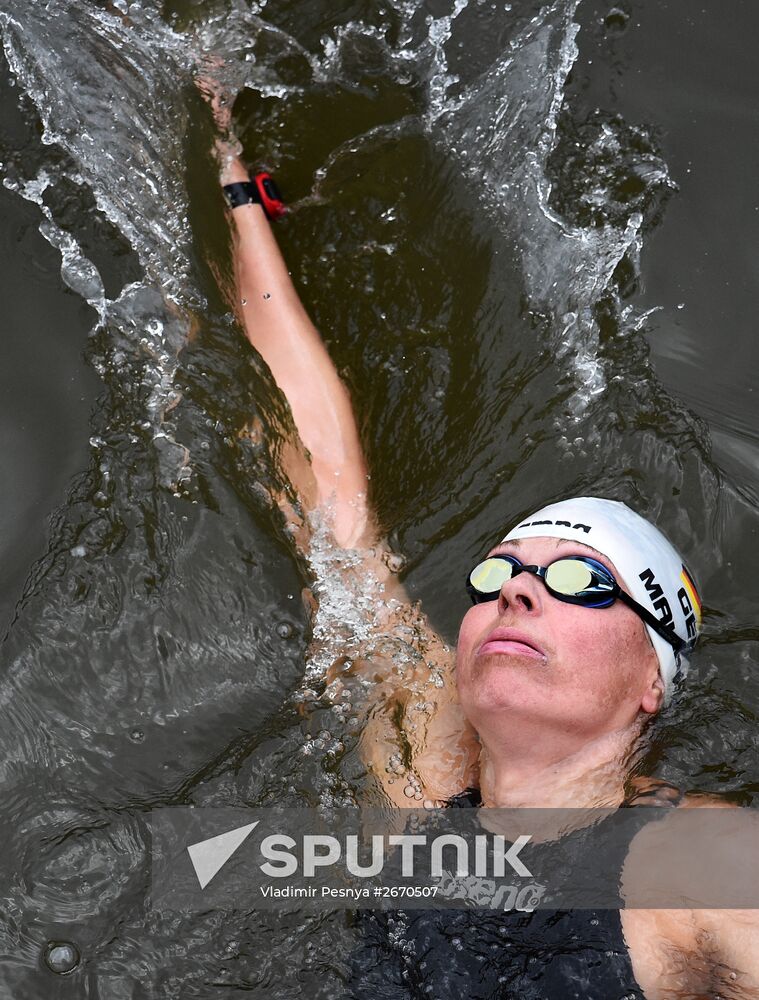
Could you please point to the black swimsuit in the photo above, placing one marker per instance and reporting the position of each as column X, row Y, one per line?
column 472, row 954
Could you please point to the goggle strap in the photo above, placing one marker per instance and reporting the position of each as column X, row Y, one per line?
column 669, row 634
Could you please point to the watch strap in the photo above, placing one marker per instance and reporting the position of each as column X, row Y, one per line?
column 242, row 193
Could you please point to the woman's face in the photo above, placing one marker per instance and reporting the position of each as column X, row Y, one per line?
column 592, row 669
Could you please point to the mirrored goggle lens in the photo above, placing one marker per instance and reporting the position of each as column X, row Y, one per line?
column 490, row 575
column 573, row 577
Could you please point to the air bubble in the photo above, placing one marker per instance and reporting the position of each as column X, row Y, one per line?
column 137, row 736
column 617, row 20
column 61, row 957
column 284, row 630
column 395, row 562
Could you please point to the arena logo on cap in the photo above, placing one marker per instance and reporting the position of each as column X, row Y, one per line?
column 558, row 524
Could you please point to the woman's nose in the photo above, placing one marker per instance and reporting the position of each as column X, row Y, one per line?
column 522, row 590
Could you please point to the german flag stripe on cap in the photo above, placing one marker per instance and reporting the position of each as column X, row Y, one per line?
column 690, row 588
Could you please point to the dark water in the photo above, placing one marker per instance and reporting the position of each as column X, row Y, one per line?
column 534, row 268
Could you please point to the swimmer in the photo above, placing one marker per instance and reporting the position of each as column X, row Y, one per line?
column 582, row 620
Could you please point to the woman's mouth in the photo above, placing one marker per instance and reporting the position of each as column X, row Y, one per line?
column 511, row 642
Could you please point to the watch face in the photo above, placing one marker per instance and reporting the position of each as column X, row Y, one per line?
column 270, row 189
column 271, row 199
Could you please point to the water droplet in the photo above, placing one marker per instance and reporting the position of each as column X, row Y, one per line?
column 681, row 305
column 409, row 791
column 61, row 957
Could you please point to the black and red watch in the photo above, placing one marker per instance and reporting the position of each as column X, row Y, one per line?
column 260, row 191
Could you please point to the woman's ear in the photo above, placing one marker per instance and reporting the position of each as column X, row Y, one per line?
column 653, row 696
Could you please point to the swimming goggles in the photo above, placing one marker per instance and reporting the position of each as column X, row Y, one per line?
column 572, row 579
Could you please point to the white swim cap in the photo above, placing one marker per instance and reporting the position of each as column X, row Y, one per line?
column 653, row 572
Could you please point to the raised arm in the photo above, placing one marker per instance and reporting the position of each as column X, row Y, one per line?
column 415, row 714
column 279, row 328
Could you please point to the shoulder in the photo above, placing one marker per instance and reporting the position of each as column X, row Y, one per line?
column 689, row 855
column 691, row 889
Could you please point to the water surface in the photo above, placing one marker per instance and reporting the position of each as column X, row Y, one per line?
column 526, row 233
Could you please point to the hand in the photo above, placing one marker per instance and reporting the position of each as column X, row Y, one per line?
column 220, row 97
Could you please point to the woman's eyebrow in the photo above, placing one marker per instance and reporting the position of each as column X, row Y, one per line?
column 516, row 543
column 504, row 545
